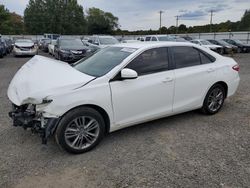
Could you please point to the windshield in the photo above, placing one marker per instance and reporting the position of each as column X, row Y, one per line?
column 238, row 41
column 222, row 42
column 71, row 43
column 108, row 40
column 164, row 38
column 204, row 42
column 103, row 61
column 24, row 40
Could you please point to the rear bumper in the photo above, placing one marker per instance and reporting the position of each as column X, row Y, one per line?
column 26, row 117
column 233, row 86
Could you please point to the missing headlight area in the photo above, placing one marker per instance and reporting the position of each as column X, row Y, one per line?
column 26, row 116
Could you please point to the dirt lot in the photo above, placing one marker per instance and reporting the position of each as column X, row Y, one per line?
column 187, row 150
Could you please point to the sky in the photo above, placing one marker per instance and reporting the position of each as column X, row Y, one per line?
column 144, row 14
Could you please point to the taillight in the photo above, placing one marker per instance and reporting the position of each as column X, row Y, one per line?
column 236, row 67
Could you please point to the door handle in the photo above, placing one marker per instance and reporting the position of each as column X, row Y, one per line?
column 168, row 79
column 210, row 70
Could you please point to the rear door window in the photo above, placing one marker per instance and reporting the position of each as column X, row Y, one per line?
column 185, row 56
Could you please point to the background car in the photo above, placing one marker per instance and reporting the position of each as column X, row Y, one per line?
column 51, row 47
column 4, row 46
column 1, row 50
column 188, row 38
column 207, row 44
column 40, row 42
column 227, row 48
column 70, row 50
column 24, row 47
column 158, row 38
column 242, row 47
column 9, row 45
column 45, row 45
column 103, row 40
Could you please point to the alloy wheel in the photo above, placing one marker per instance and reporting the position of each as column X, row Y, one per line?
column 215, row 99
column 82, row 132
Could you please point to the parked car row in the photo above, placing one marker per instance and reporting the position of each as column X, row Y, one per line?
column 222, row 46
column 71, row 49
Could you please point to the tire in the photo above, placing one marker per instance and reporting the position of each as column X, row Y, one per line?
column 239, row 50
column 75, row 130
column 214, row 97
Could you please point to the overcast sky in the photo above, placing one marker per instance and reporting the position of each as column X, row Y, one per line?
column 144, row 14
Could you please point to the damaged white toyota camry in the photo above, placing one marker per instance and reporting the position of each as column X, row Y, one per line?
column 117, row 87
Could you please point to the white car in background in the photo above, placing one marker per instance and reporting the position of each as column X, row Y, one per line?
column 102, row 41
column 51, row 47
column 209, row 45
column 117, row 87
column 24, row 47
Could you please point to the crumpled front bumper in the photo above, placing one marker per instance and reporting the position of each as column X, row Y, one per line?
column 26, row 116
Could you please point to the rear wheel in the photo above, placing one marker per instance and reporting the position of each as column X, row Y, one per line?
column 214, row 99
column 80, row 130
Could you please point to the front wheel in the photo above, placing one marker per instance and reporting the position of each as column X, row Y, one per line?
column 214, row 100
column 80, row 130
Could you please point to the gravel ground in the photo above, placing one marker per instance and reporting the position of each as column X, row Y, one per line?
column 187, row 150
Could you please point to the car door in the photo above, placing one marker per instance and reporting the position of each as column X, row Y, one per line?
column 148, row 96
column 195, row 73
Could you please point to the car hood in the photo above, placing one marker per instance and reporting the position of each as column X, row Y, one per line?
column 42, row 77
column 24, row 44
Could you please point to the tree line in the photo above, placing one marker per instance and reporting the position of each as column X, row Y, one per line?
column 67, row 17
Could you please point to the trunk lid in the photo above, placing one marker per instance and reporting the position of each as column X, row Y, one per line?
column 41, row 77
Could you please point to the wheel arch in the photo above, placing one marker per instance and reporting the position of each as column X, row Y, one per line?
column 99, row 109
column 224, row 85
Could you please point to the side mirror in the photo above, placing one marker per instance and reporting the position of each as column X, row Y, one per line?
column 128, row 74
column 90, row 41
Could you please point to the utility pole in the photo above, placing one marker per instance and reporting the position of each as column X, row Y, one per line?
column 211, row 20
column 160, row 12
column 177, row 22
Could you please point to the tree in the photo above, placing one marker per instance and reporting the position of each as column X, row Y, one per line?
column 54, row 16
column 100, row 22
column 10, row 23
column 244, row 24
column 182, row 28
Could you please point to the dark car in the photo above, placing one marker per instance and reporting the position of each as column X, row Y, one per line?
column 70, row 50
column 187, row 38
column 242, row 47
column 227, row 48
column 1, row 50
column 4, row 46
column 45, row 45
column 9, row 44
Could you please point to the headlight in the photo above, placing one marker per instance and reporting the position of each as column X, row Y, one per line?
column 65, row 51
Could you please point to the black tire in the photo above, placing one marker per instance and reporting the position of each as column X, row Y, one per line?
column 239, row 50
column 206, row 108
column 66, row 123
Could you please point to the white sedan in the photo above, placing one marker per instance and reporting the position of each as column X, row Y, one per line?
column 25, row 47
column 117, row 87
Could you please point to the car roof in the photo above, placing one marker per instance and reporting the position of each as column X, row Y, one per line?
column 142, row 45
